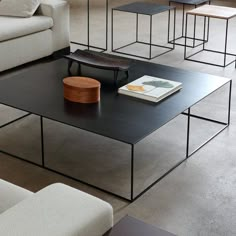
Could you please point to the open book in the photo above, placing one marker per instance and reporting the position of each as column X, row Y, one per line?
column 150, row 88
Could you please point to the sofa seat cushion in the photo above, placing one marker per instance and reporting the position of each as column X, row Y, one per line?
column 11, row 194
column 14, row 27
column 58, row 210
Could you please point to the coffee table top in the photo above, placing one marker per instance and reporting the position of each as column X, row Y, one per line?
column 190, row 2
column 39, row 90
column 129, row 226
column 214, row 11
column 143, row 8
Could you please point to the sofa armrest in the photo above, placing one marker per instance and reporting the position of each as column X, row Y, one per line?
column 58, row 210
column 59, row 11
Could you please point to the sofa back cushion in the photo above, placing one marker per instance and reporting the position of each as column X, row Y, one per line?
column 20, row 8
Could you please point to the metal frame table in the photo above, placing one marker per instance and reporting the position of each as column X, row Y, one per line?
column 134, row 227
column 140, row 8
column 39, row 91
column 195, row 4
column 88, row 45
column 211, row 11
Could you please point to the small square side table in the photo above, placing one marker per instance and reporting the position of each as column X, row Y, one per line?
column 142, row 8
column 195, row 4
column 211, row 11
column 88, row 43
column 129, row 226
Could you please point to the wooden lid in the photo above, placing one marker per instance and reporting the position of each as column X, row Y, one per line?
column 81, row 82
column 81, row 89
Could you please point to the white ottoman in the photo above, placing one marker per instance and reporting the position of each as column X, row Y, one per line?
column 57, row 210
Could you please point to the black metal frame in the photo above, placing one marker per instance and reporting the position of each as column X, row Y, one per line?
column 150, row 44
column 225, row 53
column 188, row 153
column 183, row 36
column 132, row 197
column 88, row 45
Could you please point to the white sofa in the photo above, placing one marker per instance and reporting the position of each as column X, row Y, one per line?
column 57, row 210
column 26, row 39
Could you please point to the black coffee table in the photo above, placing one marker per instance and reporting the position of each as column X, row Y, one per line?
column 129, row 226
column 121, row 120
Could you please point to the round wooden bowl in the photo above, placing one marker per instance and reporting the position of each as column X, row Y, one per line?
column 81, row 89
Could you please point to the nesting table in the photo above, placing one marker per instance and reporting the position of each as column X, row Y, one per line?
column 193, row 3
column 211, row 11
column 149, row 9
column 88, row 43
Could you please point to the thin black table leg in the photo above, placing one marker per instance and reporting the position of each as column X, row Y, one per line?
column 168, row 36
column 186, row 33
column 174, row 28
column 226, row 40
column 79, row 69
column 194, row 32
column 230, row 98
column 132, row 174
column 116, row 77
column 188, row 133
column 42, row 140
column 208, row 27
column 150, row 48
column 204, row 33
column 112, row 22
column 88, row 24
column 70, row 62
column 137, row 27
column 106, row 25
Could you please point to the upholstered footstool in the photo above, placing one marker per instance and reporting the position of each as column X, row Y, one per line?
column 55, row 210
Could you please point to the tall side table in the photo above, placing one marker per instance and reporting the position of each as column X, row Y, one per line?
column 195, row 4
column 88, row 44
column 142, row 8
column 211, row 11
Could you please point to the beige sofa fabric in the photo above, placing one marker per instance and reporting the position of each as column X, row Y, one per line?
column 14, row 27
column 25, row 49
column 20, row 8
column 59, row 11
column 26, row 39
column 11, row 194
column 58, row 210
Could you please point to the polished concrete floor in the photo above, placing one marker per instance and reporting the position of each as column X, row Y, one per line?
column 196, row 199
